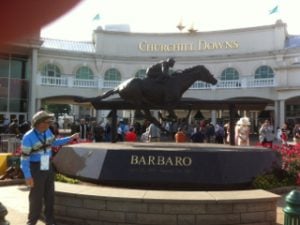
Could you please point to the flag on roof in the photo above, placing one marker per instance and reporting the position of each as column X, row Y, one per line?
column 274, row 10
column 97, row 17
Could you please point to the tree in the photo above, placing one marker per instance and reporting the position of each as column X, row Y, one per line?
column 59, row 109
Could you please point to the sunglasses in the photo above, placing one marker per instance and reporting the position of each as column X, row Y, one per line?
column 48, row 121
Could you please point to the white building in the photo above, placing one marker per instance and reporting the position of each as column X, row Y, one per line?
column 258, row 63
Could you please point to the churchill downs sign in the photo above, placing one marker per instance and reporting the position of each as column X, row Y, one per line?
column 201, row 45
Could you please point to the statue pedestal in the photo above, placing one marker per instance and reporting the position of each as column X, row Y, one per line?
column 165, row 165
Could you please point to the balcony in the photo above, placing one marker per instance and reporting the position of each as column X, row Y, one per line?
column 98, row 83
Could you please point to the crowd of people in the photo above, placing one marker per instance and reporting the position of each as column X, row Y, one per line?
column 179, row 131
column 15, row 127
column 146, row 131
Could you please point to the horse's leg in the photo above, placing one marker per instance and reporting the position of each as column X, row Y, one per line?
column 152, row 119
column 138, row 114
column 188, row 115
column 161, row 116
column 172, row 114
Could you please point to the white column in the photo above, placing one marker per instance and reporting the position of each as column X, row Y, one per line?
column 281, row 112
column 100, row 83
column 190, row 117
column 32, row 107
column 38, row 103
column 93, row 112
column 98, row 115
column 213, row 117
column 76, row 111
column 276, row 115
column 70, row 80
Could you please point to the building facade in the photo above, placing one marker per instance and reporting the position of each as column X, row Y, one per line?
column 257, row 63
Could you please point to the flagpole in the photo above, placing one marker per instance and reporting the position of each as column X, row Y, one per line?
column 95, row 21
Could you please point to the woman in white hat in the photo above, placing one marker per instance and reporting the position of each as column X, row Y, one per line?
column 242, row 131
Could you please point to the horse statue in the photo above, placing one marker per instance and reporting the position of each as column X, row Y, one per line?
column 157, row 93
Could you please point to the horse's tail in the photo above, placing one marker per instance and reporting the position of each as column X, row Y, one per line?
column 98, row 98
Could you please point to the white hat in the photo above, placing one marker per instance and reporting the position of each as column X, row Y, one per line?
column 244, row 121
column 40, row 117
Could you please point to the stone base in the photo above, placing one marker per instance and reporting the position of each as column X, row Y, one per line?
column 102, row 205
column 165, row 165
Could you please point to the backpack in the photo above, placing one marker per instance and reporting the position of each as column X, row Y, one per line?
column 220, row 131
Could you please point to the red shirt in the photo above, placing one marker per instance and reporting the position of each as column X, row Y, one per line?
column 180, row 137
column 130, row 136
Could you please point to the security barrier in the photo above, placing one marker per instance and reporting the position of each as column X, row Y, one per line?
column 9, row 143
column 3, row 162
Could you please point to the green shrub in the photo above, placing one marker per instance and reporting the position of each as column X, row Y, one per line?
column 273, row 179
column 64, row 179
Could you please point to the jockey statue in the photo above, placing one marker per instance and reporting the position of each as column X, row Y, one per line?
column 160, row 71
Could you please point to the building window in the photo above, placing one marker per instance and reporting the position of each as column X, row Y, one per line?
column 112, row 74
column 293, row 110
column 141, row 74
column 14, row 87
column 4, row 67
column 84, row 72
column 51, row 70
column 18, row 67
column 264, row 72
column 230, row 74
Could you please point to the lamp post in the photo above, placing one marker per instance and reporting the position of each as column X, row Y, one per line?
column 292, row 208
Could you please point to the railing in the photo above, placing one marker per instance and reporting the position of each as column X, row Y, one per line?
column 91, row 83
column 54, row 81
column 111, row 83
column 266, row 82
column 229, row 84
column 71, row 82
column 247, row 82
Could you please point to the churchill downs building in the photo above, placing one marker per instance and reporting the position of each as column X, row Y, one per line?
column 258, row 71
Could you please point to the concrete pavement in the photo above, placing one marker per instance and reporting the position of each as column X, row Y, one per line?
column 15, row 199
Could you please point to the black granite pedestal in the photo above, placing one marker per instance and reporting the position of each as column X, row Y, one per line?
column 165, row 165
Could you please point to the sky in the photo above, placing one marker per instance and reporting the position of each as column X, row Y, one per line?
column 163, row 16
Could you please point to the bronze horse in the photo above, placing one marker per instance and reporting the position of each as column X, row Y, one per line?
column 159, row 93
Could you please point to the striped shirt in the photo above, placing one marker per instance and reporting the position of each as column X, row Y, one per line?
column 36, row 144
